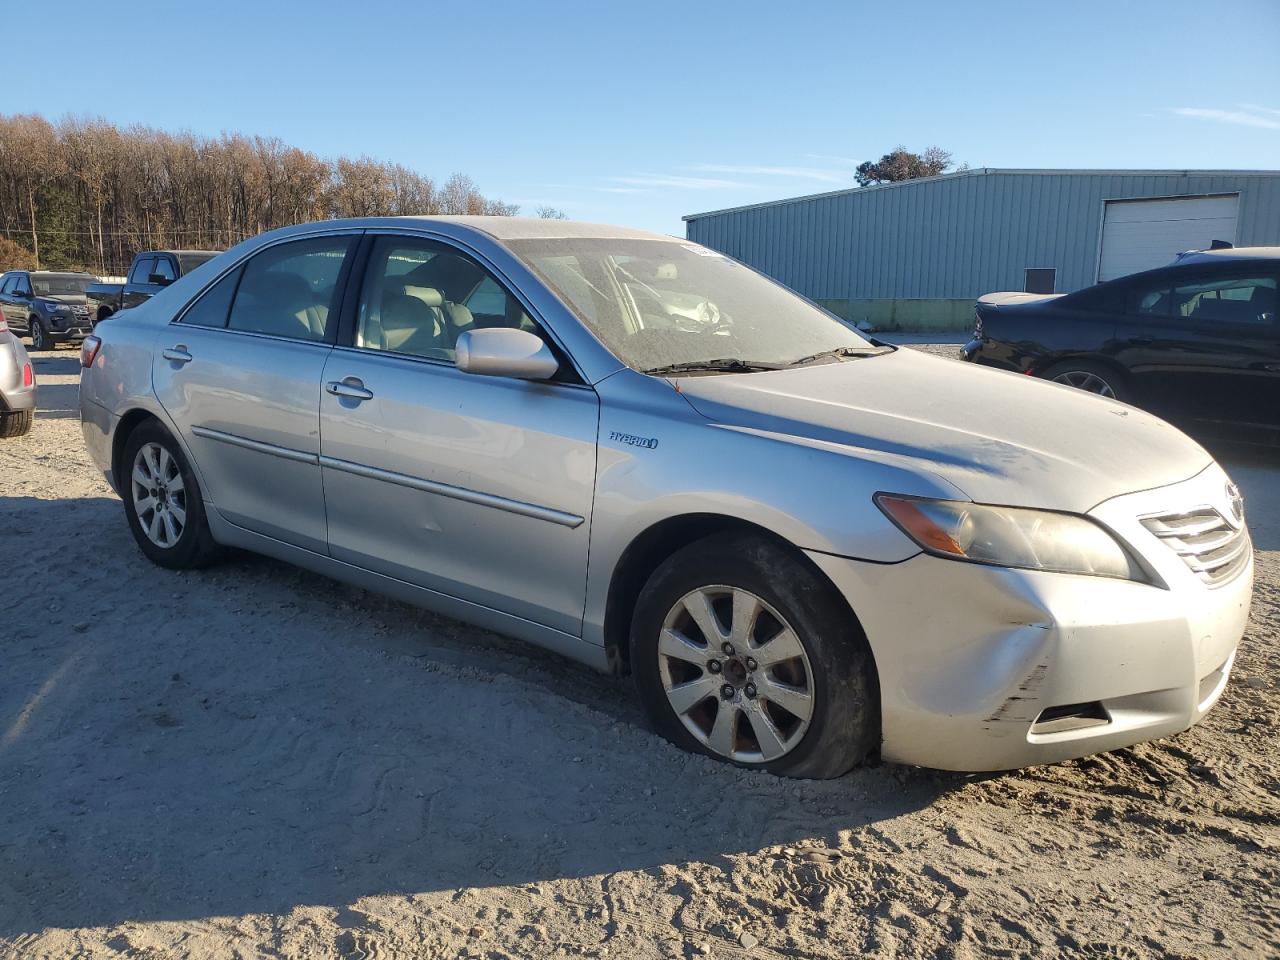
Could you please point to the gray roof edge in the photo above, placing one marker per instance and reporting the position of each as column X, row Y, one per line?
column 985, row 171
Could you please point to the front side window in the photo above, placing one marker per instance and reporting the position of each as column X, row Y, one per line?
column 419, row 297
column 142, row 270
column 1151, row 299
column 290, row 290
column 164, row 268
column 657, row 304
column 1241, row 300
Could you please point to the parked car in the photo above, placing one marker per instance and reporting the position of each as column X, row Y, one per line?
column 46, row 306
column 805, row 547
column 1197, row 342
column 149, row 273
column 17, row 386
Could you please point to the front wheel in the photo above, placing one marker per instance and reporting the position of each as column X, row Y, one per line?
column 743, row 652
column 39, row 337
column 162, row 501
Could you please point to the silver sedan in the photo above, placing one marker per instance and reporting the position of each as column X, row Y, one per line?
column 17, row 385
column 806, row 547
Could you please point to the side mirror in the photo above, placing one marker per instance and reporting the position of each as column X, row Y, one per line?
column 159, row 279
column 505, row 352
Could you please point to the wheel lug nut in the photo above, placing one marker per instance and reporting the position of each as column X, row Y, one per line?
column 750, row 690
column 727, row 648
column 726, row 692
column 714, row 666
column 751, row 663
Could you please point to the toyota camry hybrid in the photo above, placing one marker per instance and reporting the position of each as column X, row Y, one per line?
column 805, row 546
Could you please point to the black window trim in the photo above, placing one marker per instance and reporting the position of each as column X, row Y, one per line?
column 351, row 304
column 344, row 275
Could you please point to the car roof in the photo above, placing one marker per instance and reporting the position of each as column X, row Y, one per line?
column 537, row 228
column 57, row 273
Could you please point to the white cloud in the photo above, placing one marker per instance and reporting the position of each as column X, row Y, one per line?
column 1248, row 116
column 802, row 173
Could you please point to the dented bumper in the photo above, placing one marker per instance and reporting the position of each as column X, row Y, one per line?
column 985, row 668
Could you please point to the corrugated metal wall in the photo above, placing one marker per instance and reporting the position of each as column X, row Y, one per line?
column 960, row 235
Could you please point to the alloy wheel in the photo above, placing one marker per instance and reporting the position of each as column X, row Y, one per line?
column 1086, row 381
column 736, row 674
column 159, row 495
column 38, row 341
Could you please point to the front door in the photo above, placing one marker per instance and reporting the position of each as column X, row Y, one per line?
column 477, row 487
column 239, row 373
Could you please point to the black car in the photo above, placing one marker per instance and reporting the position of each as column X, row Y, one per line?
column 1196, row 342
column 47, row 306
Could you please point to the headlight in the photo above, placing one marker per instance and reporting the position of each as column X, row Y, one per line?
column 57, row 308
column 1011, row 537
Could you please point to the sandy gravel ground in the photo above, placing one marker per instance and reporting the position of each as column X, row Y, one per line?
column 253, row 761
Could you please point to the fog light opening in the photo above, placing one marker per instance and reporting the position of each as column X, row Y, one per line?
column 1071, row 716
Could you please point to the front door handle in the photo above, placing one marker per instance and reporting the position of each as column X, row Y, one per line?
column 177, row 354
column 350, row 387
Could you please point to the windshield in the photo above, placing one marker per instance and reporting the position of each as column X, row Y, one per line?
column 657, row 304
column 59, row 285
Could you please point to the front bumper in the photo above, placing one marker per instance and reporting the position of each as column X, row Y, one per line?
column 971, row 657
column 63, row 327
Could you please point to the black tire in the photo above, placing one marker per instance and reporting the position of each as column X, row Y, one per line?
column 194, row 547
column 16, row 423
column 39, row 336
column 1090, row 371
column 844, row 728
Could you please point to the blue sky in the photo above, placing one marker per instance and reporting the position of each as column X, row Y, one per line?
column 639, row 112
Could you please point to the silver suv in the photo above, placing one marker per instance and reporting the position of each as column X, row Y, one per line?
column 807, row 547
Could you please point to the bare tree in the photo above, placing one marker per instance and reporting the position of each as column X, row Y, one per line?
column 901, row 164
column 552, row 213
column 83, row 192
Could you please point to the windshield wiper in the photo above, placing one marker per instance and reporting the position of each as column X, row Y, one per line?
column 720, row 365
column 838, row 352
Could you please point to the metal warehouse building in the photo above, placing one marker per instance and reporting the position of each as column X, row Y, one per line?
column 916, row 254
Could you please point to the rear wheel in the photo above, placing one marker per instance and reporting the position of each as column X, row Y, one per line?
column 1091, row 377
column 742, row 652
column 162, row 501
column 16, row 423
column 39, row 336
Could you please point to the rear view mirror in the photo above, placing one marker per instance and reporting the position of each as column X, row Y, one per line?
column 505, row 352
column 159, row 279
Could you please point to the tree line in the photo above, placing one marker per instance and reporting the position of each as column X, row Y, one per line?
column 85, row 194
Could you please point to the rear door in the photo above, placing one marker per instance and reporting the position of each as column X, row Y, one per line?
column 239, row 372
column 1201, row 345
column 477, row 487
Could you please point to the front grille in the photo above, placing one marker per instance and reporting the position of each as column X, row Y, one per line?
column 1208, row 544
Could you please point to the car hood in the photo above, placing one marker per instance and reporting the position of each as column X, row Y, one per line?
column 996, row 437
column 68, row 298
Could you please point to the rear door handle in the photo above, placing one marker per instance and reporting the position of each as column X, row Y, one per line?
column 177, row 354
column 350, row 387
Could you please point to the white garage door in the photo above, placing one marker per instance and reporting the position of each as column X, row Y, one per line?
column 1141, row 234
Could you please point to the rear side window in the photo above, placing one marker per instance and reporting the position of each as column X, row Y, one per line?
column 1238, row 300
column 8, row 285
column 290, row 290
column 142, row 270
column 214, row 304
column 1151, row 299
